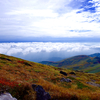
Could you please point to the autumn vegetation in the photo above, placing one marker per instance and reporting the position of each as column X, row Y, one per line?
column 17, row 76
column 90, row 64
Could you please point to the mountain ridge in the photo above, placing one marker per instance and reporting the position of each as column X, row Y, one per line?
column 87, row 63
column 95, row 55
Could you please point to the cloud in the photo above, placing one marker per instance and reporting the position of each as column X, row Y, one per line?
column 39, row 51
column 41, row 18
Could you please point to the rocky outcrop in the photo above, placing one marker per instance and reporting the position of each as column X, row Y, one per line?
column 64, row 73
column 94, row 84
column 72, row 73
column 6, row 96
column 65, row 80
column 40, row 92
column 5, row 58
column 27, row 64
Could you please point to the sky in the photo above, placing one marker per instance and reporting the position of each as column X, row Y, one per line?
column 49, row 51
column 39, row 30
column 40, row 20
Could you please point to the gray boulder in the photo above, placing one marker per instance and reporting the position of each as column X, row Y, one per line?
column 94, row 84
column 6, row 96
column 40, row 93
column 65, row 80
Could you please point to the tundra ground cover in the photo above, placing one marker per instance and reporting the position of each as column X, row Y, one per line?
column 18, row 75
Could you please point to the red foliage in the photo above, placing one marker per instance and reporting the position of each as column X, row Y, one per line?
column 21, row 62
column 7, row 83
column 26, row 79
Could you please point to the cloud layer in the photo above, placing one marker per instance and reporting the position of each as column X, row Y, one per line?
column 39, row 51
column 54, row 18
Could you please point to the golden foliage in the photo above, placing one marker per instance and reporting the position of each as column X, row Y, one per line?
column 26, row 73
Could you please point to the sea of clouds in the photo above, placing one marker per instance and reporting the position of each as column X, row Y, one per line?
column 44, row 51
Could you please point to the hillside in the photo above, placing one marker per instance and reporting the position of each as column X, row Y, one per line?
column 17, row 75
column 95, row 55
column 82, row 62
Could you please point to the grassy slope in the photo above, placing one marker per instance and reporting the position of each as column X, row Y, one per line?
column 24, row 73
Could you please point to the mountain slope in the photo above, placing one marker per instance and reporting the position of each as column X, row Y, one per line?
column 81, row 62
column 18, row 75
column 68, row 61
column 95, row 55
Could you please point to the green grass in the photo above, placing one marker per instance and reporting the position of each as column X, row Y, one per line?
column 93, row 69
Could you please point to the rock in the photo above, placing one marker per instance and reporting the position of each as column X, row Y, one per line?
column 27, row 64
column 72, row 73
column 34, row 86
column 5, row 58
column 64, row 73
column 93, row 80
column 6, row 96
column 94, row 84
column 65, row 80
column 40, row 92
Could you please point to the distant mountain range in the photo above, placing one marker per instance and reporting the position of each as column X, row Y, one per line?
column 86, row 63
column 95, row 55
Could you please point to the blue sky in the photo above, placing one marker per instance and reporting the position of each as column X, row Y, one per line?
column 25, row 19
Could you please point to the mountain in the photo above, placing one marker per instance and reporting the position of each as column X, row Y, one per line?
column 95, row 55
column 68, row 61
column 80, row 62
column 17, row 76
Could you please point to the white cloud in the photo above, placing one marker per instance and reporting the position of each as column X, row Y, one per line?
column 34, row 13
column 48, row 18
column 38, row 51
